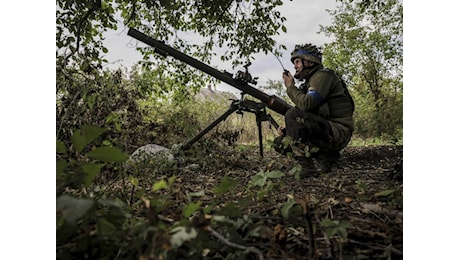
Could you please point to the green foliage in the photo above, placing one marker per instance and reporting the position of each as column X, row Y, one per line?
column 367, row 51
column 162, row 184
column 224, row 186
column 383, row 140
column 393, row 196
column 125, row 230
column 361, row 186
column 230, row 210
column 264, row 181
column 245, row 28
column 286, row 207
column 88, row 101
column 73, row 168
column 82, row 204
column 83, row 137
column 335, row 227
column 108, row 154
column 119, row 210
column 72, row 208
column 276, row 87
column 190, row 208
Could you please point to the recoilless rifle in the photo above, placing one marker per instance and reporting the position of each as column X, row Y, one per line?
column 241, row 81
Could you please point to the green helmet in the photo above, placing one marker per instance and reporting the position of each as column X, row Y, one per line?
column 307, row 52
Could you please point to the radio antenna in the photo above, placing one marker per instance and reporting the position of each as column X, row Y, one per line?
column 285, row 70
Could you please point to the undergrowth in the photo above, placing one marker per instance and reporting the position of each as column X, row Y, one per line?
column 107, row 208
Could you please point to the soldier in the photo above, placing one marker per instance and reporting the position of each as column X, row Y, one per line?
column 321, row 124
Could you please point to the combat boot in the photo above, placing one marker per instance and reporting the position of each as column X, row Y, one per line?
column 309, row 168
column 327, row 161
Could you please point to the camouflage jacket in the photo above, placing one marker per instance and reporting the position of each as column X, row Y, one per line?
column 325, row 94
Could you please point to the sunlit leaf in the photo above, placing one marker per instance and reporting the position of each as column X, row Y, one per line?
column 133, row 180
column 106, row 143
column 160, row 185
column 190, row 208
column 171, row 180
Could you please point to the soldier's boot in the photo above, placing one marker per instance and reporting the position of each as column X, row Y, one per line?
column 328, row 161
column 309, row 168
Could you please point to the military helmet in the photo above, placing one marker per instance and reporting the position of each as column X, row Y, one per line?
column 307, row 52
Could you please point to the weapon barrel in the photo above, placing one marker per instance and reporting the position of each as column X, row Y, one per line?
column 274, row 102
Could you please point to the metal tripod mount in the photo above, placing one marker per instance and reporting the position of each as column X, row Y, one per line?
column 241, row 81
column 239, row 106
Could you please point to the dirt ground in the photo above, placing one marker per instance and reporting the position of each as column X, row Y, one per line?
column 354, row 212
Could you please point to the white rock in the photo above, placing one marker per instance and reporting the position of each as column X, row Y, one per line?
column 151, row 151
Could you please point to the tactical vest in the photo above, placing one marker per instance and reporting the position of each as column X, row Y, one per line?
column 338, row 106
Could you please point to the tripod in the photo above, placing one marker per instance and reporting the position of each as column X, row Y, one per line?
column 239, row 106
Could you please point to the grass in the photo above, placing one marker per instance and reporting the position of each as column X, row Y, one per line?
column 362, row 141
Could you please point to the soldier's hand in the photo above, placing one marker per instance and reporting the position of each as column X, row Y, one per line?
column 288, row 79
column 281, row 131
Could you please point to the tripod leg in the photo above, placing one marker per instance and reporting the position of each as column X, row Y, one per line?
column 224, row 116
column 259, row 126
column 272, row 121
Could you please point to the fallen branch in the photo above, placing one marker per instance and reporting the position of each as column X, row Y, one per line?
column 229, row 243
column 380, row 248
column 371, row 233
column 397, row 215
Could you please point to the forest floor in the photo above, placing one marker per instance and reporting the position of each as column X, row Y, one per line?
column 354, row 212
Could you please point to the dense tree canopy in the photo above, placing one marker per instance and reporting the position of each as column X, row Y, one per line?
column 367, row 51
column 241, row 27
column 245, row 27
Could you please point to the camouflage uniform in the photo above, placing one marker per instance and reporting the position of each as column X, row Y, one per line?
column 323, row 116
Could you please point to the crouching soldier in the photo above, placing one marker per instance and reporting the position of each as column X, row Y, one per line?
column 321, row 124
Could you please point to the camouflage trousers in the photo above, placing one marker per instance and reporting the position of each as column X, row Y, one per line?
column 313, row 130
